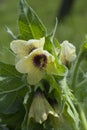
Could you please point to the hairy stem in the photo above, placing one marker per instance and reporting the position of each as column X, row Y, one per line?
column 82, row 117
column 75, row 71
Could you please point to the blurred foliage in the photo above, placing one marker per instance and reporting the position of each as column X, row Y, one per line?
column 72, row 28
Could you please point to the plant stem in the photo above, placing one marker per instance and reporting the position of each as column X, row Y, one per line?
column 75, row 71
column 83, row 118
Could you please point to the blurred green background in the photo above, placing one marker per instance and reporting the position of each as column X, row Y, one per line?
column 73, row 27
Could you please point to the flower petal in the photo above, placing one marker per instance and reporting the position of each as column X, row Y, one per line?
column 36, row 43
column 35, row 76
column 26, row 65
column 23, row 48
column 36, row 67
column 40, row 109
column 18, row 46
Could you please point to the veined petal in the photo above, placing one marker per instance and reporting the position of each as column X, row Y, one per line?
column 35, row 76
column 18, row 46
column 40, row 109
column 21, row 46
column 36, row 43
column 26, row 65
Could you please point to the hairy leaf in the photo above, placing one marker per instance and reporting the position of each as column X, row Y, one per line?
column 6, row 56
column 8, row 70
column 30, row 25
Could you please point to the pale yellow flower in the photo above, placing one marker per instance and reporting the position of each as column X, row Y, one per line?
column 40, row 109
column 23, row 48
column 68, row 52
column 36, row 64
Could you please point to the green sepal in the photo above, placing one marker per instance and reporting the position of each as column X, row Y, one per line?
column 50, row 47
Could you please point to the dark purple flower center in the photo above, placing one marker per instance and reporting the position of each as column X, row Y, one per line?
column 40, row 61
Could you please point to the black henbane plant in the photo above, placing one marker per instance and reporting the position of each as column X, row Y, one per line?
column 40, row 86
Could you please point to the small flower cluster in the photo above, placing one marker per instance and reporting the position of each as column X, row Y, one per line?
column 31, row 58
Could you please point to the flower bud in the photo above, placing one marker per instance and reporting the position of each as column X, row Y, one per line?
column 68, row 52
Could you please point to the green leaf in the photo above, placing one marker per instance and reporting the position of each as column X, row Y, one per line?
column 57, row 45
column 12, row 111
column 55, row 28
column 6, row 56
column 81, row 90
column 11, row 84
column 27, row 103
column 49, row 45
column 36, row 126
column 12, row 102
column 3, row 127
column 83, row 52
column 30, row 25
column 13, row 121
column 84, row 47
column 8, row 103
column 10, row 79
column 71, row 110
column 8, row 70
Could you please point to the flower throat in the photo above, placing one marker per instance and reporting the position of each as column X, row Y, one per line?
column 40, row 61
